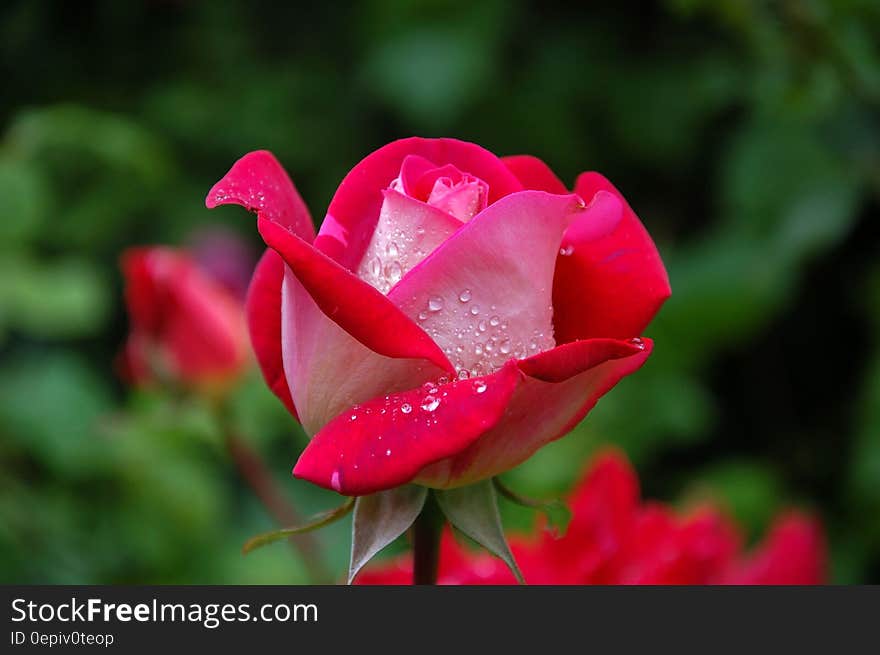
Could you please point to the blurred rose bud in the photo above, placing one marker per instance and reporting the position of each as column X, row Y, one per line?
column 185, row 326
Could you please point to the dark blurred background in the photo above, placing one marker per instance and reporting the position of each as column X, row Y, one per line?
column 744, row 133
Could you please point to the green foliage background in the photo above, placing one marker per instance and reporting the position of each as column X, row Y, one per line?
column 744, row 133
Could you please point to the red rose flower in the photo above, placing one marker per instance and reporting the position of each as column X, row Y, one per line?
column 455, row 312
column 615, row 539
column 185, row 325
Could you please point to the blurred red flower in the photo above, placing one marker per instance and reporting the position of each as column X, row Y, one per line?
column 615, row 538
column 185, row 325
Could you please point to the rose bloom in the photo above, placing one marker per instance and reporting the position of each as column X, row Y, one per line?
column 614, row 538
column 455, row 312
column 185, row 325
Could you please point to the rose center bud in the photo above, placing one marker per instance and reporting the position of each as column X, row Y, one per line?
column 463, row 199
column 423, row 206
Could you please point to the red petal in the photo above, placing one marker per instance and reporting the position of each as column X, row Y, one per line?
column 603, row 509
column 793, row 552
column 534, row 174
column 353, row 213
column 263, row 309
column 559, row 388
column 351, row 303
column 259, row 183
column 387, row 441
column 611, row 286
column 187, row 317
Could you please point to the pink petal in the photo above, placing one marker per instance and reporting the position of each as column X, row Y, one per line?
column 534, row 174
column 407, row 231
column 385, row 442
column 601, row 219
column 328, row 370
column 352, row 215
column 259, row 183
column 611, row 286
column 263, row 309
column 559, row 388
column 412, row 169
column 351, row 303
column 484, row 294
column 463, row 200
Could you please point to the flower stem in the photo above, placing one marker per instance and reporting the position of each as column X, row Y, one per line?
column 426, row 543
column 258, row 477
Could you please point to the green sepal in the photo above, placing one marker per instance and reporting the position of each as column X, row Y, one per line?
column 381, row 518
column 474, row 510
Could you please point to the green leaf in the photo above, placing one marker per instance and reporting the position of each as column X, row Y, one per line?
column 381, row 518
column 557, row 513
column 51, row 404
column 317, row 521
column 474, row 511
column 23, row 201
column 62, row 298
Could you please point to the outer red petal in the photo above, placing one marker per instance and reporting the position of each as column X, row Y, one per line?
column 351, row 303
column 263, row 309
column 145, row 299
column 611, row 286
column 259, row 183
column 559, row 388
column 386, row 442
column 354, row 210
column 603, row 508
column 534, row 174
column 793, row 552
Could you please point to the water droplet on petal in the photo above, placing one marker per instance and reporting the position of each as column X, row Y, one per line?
column 375, row 267
column 435, row 303
column 480, row 386
column 475, row 310
column 463, row 374
column 393, row 272
column 423, row 316
column 465, row 295
column 505, row 346
column 430, row 403
column 638, row 343
column 388, row 453
column 336, row 481
column 566, row 251
column 494, row 321
column 406, row 408
column 442, row 379
column 391, row 250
